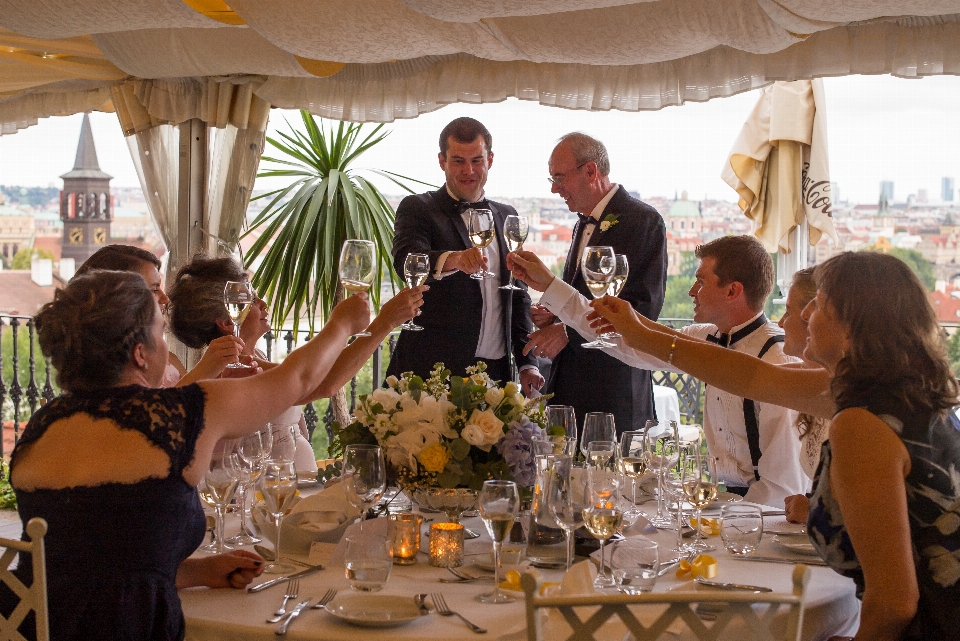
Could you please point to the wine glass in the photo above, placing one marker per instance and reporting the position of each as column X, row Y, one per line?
column 598, row 264
column 220, row 481
column 602, row 454
column 278, row 485
column 673, row 485
column 364, row 477
column 700, row 489
column 562, row 416
column 515, row 229
column 603, row 516
column 237, row 297
column 567, row 499
column 499, row 505
column 659, row 456
column 482, row 232
column 416, row 269
column 283, row 441
column 357, row 267
column 252, row 452
column 633, row 464
column 597, row 426
column 621, row 270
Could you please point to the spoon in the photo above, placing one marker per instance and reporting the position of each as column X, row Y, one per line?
column 420, row 600
column 266, row 553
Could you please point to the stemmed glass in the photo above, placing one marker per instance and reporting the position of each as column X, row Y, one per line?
column 220, row 481
column 283, row 441
column 632, row 465
column 567, row 499
column 597, row 426
column 278, row 484
column 364, row 477
column 252, row 452
column 562, row 416
column 416, row 269
column 482, row 232
column 603, row 516
column 700, row 489
column 660, row 454
column 673, row 484
column 237, row 297
column 603, row 455
column 598, row 264
column 357, row 267
column 515, row 229
column 499, row 505
column 620, row 272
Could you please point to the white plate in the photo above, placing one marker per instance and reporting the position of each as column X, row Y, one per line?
column 374, row 610
column 799, row 543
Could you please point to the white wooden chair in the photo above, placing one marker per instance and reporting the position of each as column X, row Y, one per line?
column 32, row 598
column 679, row 605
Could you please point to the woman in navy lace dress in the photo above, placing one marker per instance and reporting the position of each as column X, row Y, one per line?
column 113, row 463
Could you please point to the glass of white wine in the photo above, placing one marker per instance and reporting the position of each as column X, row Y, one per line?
column 482, row 231
column 357, row 267
column 278, row 485
column 220, row 481
column 598, row 265
column 621, row 271
column 499, row 505
column 364, row 477
column 238, row 296
column 700, row 489
column 515, row 230
column 416, row 270
column 633, row 465
column 603, row 517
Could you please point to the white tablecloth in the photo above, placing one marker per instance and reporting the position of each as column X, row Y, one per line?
column 667, row 404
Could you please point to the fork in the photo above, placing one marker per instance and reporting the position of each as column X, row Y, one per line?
column 327, row 598
column 444, row 611
column 293, row 588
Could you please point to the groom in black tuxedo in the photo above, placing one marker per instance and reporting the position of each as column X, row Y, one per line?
column 463, row 320
column 589, row 379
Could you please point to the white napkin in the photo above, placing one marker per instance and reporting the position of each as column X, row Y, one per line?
column 319, row 522
column 578, row 580
column 330, row 499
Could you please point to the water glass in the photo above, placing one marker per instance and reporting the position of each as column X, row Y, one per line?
column 562, row 416
column 367, row 562
column 545, row 445
column 597, row 426
column 635, row 564
column 283, row 441
column 741, row 527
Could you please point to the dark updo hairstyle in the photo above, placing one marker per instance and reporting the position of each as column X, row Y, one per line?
column 119, row 258
column 90, row 329
column 196, row 298
column 896, row 345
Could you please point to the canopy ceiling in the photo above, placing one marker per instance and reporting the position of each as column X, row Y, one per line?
column 378, row 60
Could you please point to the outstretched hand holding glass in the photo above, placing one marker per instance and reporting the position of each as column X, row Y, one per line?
column 357, row 267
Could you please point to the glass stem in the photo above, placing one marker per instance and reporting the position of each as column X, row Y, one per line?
column 570, row 541
column 496, row 569
column 278, row 519
column 219, row 528
column 603, row 565
column 242, row 505
column 679, row 525
column 634, row 483
column 697, row 517
column 660, row 489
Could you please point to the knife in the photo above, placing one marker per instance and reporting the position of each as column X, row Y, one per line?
column 284, row 579
column 290, row 617
column 776, row 559
column 732, row 586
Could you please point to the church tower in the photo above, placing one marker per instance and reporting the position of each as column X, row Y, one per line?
column 85, row 207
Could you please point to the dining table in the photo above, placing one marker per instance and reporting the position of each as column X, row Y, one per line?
column 238, row 615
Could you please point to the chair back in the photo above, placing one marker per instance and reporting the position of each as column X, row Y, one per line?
column 33, row 598
column 723, row 607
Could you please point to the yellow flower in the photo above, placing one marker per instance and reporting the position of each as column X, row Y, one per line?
column 434, row 457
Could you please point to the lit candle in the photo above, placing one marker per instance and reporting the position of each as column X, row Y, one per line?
column 405, row 537
column 446, row 545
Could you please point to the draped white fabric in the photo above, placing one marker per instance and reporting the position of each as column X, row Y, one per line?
column 406, row 57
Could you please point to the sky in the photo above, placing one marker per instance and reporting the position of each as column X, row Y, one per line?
column 879, row 128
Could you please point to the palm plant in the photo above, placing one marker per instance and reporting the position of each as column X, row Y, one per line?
column 304, row 225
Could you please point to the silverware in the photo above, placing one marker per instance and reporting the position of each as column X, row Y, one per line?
column 464, row 576
column 802, row 530
column 732, row 586
column 282, row 629
column 669, row 565
column 777, row 559
column 421, row 601
column 293, row 588
column 266, row 553
column 327, row 598
column 282, row 579
column 444, row 611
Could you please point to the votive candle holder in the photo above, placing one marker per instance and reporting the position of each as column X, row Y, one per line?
column 446, row 545
column 405, row 537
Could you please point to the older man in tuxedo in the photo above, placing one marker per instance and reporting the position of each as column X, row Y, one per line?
column 588, row 379
column 464, row 320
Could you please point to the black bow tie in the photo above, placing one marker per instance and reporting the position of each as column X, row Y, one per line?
column 463, row 205
column 723, row 340
column 587, row 220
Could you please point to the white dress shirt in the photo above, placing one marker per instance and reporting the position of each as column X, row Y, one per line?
column 779, row 466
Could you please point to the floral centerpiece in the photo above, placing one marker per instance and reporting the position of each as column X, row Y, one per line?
column 449, row 431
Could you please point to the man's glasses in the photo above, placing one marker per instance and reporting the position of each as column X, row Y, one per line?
column 557, row 179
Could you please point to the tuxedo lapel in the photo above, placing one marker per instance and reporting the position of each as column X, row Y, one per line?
column 570, row 267
column 448, row 207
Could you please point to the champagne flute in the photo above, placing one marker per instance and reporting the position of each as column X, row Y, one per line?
column 416, row 269
column 357, row 267
column 633, row 464
column 567, row 500
column 597, row 265
column 237, row 297
column 659, row 458
column 562, row 416
column 621, row 271
column 278, row 484
column 220, row 481
column 499, row 503
column 252, row 452
column 515, row 230
column 700, row 490
column 603, row 517
column 364, row 477
column 482, row 231
column 597, row 426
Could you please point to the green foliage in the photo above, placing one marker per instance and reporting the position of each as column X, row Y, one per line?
column 953, row 352
column 677, row 303
column 23, row 369
column 688, row 263
column 557, row 268
column 33, row 196
column 8, row 500
column 22, row 259
column 920, row 265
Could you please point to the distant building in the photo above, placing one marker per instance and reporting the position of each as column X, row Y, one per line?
column 85, row 207
column 683, row 218
column 16, row 231
column 886, row 189
column 946, row 189
column 835, row 193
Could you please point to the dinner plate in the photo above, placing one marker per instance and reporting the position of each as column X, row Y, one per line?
column 374, row 610
column 799, row 543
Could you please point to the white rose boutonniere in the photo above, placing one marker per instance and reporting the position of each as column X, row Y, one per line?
column 608, row 223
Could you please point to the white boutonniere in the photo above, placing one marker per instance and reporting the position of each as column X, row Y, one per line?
column 608, row 223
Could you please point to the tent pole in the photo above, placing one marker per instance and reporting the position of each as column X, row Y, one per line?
column 191, row 197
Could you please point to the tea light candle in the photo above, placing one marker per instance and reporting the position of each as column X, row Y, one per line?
column 405, row 537
column 446, row 545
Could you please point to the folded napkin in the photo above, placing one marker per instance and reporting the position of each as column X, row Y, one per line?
column 320, row 522
column 330, row 499
column 578, row 580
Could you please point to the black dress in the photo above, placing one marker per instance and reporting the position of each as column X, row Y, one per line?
column 113, row 550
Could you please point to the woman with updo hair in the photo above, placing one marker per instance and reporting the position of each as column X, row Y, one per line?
column 113, row 463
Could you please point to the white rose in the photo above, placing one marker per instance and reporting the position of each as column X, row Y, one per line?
column 392, row 381
column 605, row 225
column 517, row 400
column 489, row 424
column 473, row 435
column 493, row 396
column 386, row 397
column 510, row 389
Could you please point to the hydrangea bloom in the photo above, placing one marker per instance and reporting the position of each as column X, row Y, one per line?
column 517, row 450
